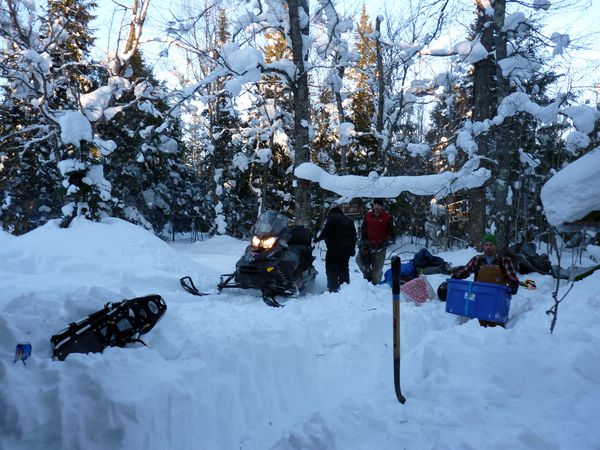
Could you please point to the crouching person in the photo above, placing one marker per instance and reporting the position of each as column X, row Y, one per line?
column 490, row 268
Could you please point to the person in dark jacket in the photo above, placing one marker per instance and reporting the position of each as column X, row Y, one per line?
column 377, row 232
column 339, row 235
column 490, row 268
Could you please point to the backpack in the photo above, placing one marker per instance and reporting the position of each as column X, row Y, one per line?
column 526, row 260
column 117, row 324
column 428, row 264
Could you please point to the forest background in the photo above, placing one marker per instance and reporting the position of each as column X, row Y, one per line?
column 191, row 117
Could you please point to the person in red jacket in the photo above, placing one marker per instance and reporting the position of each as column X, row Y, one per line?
column 377, row 232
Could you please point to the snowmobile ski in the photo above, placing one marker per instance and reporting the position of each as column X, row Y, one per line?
column 189, row 286
column 396, row 325
column 117, row 324
column 270, row 300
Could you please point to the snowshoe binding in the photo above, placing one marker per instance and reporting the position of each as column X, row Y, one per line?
column 117, row 324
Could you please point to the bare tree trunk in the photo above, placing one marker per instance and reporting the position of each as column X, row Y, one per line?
column 299, row 31
column 139, row 10
column 503, row 150
column 380, row 94
column 483, row 108
column 342, row 117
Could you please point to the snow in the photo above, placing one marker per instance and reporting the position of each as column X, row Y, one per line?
column 41, row 61
column 471, row 51
column 95, row 177
column 95, row 103
column 584, row 117
column 29, row 4
column 105, row 147
column 346, row 131
column 74, row 128
column 542, row 4
column 438, row 185
column 263, row 155
column 226, row 371
column 574, row 191
column 577, row 141
column 240, row 161
column 519, row 101
column 418, row 150
column 561, row 42
column 244, row 63
column 512, row 22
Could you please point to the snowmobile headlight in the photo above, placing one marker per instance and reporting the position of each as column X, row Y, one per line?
column 268, row 243
column 255, row 241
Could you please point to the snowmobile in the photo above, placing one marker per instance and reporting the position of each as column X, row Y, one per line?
column 278, row 261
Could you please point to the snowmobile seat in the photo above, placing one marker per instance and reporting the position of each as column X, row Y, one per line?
column 300, row 235
column 300, row 242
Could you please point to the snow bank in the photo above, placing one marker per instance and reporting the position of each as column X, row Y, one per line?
column 225, row 371
column 574, row 191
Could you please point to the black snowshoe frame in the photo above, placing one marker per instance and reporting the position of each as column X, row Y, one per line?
column 117, row 324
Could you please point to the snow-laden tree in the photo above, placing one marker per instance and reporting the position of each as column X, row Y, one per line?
column 146, row 170
column 241, row 65
column 46, row 64
column 509, row 105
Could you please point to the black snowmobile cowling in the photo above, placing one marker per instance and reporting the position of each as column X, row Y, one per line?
column 278, row 260
column 117, row 324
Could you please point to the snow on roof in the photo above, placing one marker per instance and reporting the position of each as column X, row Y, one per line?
column 573, row 192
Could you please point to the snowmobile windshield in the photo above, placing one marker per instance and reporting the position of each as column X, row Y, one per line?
column 270, row 223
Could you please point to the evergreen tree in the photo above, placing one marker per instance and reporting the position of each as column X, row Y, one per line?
column 30, row 188
column 447, row 219
column 268, row 132
column 46, row 72
column 146, row 169
column 67, row 35
column 363, row 156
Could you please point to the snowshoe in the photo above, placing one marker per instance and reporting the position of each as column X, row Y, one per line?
column 117, row 324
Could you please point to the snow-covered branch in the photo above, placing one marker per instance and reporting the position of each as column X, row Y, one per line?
column 438, row 185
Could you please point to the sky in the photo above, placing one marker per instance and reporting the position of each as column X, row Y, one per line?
column 228, row 372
